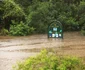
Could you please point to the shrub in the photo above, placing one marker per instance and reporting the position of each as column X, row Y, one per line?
column 4, row 31
column 49, row 61
column 20, row 29
column 83, row 30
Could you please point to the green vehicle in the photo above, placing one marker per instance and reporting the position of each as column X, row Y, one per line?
column 55, row 30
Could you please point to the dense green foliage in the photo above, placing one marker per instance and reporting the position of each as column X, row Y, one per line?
column 40, row 13
column 83, row 30
column 49, row 61
column 20, row 29
column 4, row 32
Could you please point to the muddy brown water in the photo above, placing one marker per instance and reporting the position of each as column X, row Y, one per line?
column 13, row 49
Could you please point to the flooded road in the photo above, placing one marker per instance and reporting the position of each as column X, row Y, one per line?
column 13, row 49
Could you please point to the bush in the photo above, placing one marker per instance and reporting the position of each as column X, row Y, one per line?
column 20, row 29
column 83, row 30
column 49, row 61
column 4, row 31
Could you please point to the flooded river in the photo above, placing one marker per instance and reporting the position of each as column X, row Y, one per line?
column 13, row 49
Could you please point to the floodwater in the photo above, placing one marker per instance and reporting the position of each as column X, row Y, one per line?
column 13, row 49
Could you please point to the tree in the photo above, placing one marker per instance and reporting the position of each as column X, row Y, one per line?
column 72, row 2
column 11, row 10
